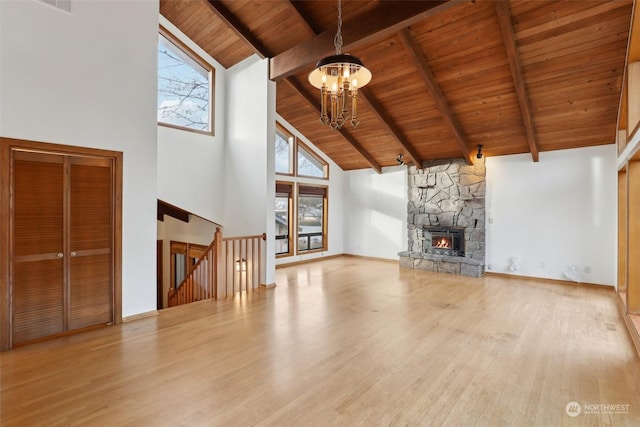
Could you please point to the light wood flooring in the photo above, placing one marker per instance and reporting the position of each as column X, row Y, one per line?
column 343, row 342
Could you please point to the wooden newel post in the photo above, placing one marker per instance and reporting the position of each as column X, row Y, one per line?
column 219, row 265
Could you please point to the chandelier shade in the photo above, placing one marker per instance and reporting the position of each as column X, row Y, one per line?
column 328, row 69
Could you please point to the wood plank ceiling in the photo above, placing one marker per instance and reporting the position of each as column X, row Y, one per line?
column 515, row 76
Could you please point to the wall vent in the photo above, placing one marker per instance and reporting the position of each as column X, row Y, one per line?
column 59, row 4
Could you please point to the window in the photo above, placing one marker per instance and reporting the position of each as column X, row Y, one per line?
column 284, row 151
column 303, row 203
column 312, row 213
column 309, row 164
column 185, row 83
column 284, row 192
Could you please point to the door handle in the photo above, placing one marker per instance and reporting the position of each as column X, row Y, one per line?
column 60, row 255
column 73, row 254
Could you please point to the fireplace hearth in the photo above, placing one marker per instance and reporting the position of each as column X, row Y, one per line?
column 444, row 241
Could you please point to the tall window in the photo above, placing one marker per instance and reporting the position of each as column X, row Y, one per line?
column 301, row 208
column 185, row 84
column 284, row 193
column 312, row 213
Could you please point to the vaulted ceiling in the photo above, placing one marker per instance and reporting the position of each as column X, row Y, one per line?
column 516, row 76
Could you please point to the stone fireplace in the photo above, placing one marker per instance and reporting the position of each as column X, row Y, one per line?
column 445, row 218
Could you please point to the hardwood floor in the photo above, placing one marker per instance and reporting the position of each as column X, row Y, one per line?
column 345, row 341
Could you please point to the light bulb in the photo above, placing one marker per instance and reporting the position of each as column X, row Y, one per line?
column 334, row 87
column 354, row 83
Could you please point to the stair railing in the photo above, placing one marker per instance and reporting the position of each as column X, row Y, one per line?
column 240, row 264
column 228, row 265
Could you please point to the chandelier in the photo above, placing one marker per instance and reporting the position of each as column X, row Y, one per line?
column 338, row 77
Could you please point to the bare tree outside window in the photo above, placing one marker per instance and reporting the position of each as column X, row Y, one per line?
column 309, row 165
column 184, row 89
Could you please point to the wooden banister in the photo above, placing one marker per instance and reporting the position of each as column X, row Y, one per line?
column 228, row 265
column 240, row 264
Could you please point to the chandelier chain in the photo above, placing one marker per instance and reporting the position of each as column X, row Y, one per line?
column 337, row 41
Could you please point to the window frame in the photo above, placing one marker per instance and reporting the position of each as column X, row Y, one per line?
column 296, row 181
column 293, row 156
column 289, row 239
column 292, row 149
column 212, row 73
column 318, row 190
column 325, row 165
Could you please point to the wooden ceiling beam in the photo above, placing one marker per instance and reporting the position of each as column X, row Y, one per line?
column 295, row 10
column 379, row 22
column 297, row 87
column 390, row 125
column 239, row 28
column 441, row 102
column 508, row 37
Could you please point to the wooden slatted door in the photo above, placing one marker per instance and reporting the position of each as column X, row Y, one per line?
column 38, row 246
column 63, row 244
column 90, row 241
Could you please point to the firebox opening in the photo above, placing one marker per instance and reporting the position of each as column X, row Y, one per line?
column 444, row 241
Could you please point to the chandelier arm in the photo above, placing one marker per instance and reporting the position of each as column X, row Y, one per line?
column 354, row 108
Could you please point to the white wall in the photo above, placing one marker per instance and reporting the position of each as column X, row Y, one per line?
column 249, row 178
column 376, row 212
column 554, row 214
column 335, row 220
column 88, row 79
column 191, row 165
column 246, row 151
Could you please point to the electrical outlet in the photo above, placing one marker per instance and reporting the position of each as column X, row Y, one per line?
column 542, row 264
column 489, row 267
column 587, row 269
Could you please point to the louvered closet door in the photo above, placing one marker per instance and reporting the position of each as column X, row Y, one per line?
column 38, row 245
column 63, row 244
column 90, row 242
